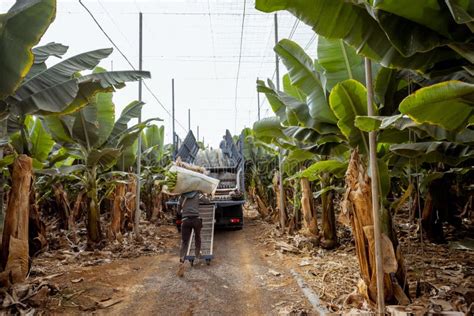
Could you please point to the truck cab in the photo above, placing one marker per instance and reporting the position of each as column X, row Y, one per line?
column 225, row 163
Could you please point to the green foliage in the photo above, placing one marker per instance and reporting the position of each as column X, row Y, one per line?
column 334, row 167
column 348, row 99
column 449, row 104
column 374, row 33
column 303, row 75
column 339, row 61
column 20, row 29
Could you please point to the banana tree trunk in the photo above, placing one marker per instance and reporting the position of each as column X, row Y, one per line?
column 14, row 256
column 93, row 216
column 3, row 132
column 310, row 221
column 280, row 200
column 357, row 207
column 329, row 238
column 157, row 205
column 261, row 207
column 116, row 214
column 129, row 203
column 36, row 227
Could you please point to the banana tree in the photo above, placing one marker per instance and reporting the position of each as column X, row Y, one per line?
column 424, row 36
column 155, row 157
column 96, row 142
column 16, row 58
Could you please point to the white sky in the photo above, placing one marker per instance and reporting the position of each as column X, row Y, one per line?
column 196, row 42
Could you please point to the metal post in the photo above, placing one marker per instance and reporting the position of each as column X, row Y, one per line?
column 375, row 193
column 172, row 114
column 136, row 226
column 258, row 104
column 277, row 64
column 282, row 192
column 189, row 120
column 197, row 133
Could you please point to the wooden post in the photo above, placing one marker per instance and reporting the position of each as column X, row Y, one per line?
column 375, row 193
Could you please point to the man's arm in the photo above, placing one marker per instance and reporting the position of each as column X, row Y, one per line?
column 180, row 204
column 204, row 199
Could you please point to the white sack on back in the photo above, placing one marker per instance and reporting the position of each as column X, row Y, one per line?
column 188, row 180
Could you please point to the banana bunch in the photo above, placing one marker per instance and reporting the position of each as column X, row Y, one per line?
column 170, row 180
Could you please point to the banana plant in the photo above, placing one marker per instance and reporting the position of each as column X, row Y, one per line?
column 96, row 141
column 22, row 27
column 397, row 34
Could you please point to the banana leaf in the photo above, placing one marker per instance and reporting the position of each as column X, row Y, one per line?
column 340, row 19
column 304, row 76
column 21, row 28
column 448, row 104
column 348, row 99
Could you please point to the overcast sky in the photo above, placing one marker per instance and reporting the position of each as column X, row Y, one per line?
column 196, row 42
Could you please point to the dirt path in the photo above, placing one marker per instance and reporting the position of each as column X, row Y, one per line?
column 241, row 280
column 237, row 282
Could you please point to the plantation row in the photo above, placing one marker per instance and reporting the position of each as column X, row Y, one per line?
column 65, row 152
column 423, row 100
column 66, row 155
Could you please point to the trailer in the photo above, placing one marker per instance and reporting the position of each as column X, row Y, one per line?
column 225, row 163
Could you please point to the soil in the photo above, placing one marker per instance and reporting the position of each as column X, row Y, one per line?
column 255, row 272
column 242, row 279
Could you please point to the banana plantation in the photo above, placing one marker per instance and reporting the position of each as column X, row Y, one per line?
column 356, row 186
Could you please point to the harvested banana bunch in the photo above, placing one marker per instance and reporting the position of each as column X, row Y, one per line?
column 170, row 180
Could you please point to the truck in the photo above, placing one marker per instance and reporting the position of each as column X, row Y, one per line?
column 225, row 163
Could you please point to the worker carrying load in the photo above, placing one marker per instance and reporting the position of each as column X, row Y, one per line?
column 179, row 180
column 191, row 184
column 188, row 206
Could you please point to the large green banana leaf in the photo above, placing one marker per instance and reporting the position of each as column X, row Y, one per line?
column 462, row 12
column 59, row 127
column 270, row 92
column 41, row 54
column 448, row 104
column 155, row 138
column 446, row 152
column 339, row 61
column 298, row 155
column 432, row 14
column 348, row 99
column 127, row 159
column 340, row 19
column 304, row 76
column 131, row 111
column 293, row 112
column 293, row 90
column 105, row 115
column 41, row 142
column 422, row 131
column 61, row 72
column 389, row 88
column 53, row 99
column 73, row 94
column 106, row 158
column 21, row 28
column 334, row 167
column 269, row 128
column 85, row 129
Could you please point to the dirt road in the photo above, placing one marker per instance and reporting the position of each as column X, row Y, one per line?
column 237, row 282
column 244, row 278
